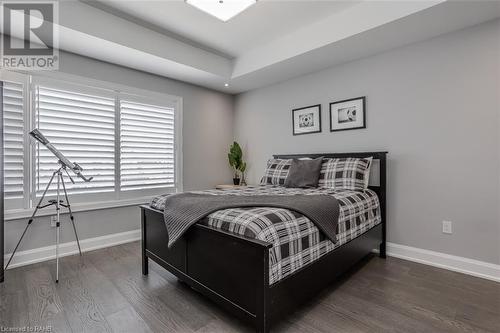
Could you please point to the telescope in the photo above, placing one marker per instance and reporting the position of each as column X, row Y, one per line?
column 65, row 164
column 77, row 169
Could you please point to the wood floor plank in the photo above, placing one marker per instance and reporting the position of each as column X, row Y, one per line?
column 487, row 320
column 421, row 309
column 410, row 294
column 127, row 320
column 188, row 301
column 143, row 293
column 323, row 319
column 101, row 289
column 446, row 283
column 452, row 279
column 296, row 326
column 13, row 299
column 182, row 303
column 206, row 310
column 44, row 305
column 105, row 292
column 83, row 312
column 221, row 326
column 378, row 315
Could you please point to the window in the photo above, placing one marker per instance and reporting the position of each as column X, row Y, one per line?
column 16, row 154
column 127, row 140
column 147, row 158
column 82, row 127
column 13, row 123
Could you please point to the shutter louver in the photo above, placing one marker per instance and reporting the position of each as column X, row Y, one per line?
column 13, row 140
column 147, row 146
column 82, row 127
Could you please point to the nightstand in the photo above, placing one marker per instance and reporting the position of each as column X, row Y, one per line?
column 227, row 186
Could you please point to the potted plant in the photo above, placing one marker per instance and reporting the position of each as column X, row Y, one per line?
column 235, row 157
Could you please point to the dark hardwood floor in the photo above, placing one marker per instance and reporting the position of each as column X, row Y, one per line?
column 104, row 291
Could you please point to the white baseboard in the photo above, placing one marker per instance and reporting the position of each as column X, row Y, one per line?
column 65, row 249
column 468, row 266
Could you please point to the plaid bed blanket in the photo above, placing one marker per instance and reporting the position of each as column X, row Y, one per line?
column 296, row 241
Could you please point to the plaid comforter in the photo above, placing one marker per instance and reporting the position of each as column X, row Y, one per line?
column 296, row 241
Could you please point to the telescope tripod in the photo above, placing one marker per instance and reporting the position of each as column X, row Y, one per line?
column 57, row 203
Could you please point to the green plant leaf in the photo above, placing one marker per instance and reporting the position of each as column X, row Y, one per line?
column 243, row 167
column 235, row 157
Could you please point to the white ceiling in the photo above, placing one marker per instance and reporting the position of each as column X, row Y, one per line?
column 261, row 23
column 272, row 41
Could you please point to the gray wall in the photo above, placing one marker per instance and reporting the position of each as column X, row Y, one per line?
column 434, row 106
column 207, row 133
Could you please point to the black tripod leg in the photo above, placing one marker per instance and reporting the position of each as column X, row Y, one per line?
column 68, row 205
column 31, row 219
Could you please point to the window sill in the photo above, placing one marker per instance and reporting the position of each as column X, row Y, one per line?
column 16, row 214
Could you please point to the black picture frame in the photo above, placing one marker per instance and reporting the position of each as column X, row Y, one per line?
column 363, row 103
column 318, row 106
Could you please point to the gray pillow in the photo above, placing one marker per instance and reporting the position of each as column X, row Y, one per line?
column 304, row 173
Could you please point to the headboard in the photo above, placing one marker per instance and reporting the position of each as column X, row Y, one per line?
column 378, row 180
column 377, row 170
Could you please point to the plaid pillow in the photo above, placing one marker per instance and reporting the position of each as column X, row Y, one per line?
column 345, row 173
column 276, row 172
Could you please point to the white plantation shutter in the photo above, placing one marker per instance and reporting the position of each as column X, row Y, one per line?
column 13, row 140
column 147, row 146
column 127, row 141
column 82, row 127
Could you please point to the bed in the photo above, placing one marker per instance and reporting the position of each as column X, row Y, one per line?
column 260, row 263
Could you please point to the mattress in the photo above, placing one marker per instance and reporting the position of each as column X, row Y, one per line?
column 296, row 241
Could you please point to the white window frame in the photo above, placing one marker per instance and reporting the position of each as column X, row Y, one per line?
column 24, row 203
column 149, row 192
column 84, row 202
column 81, row 198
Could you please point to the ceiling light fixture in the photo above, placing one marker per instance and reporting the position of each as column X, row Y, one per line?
column 226, row 84
column 224, row 10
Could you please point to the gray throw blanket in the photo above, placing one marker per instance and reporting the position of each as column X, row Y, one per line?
column 185, row 209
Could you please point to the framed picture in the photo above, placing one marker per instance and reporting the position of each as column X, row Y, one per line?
column 306, row 120
column 348, row 114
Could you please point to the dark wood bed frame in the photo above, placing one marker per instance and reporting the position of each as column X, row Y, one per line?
column 233, row 270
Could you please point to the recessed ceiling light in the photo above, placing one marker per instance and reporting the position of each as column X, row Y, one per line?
column 224, row 10
column 226, row 84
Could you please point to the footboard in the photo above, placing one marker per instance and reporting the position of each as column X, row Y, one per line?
column 233, row 271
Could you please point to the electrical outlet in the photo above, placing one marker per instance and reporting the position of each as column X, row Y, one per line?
column 447, row 227
column 53, row 221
